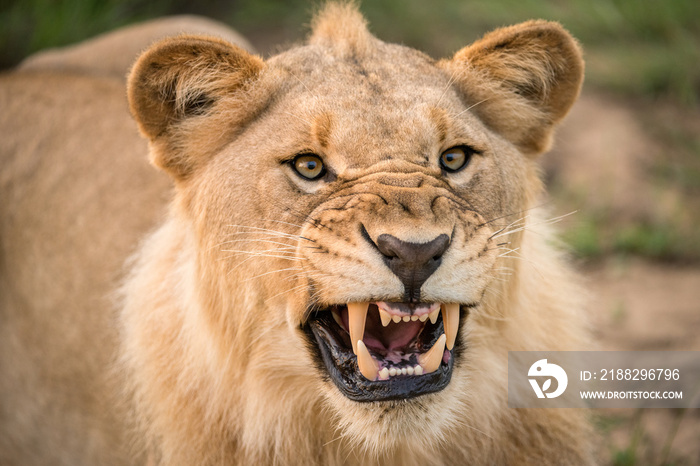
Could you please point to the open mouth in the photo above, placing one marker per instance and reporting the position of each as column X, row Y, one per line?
column 379, row 351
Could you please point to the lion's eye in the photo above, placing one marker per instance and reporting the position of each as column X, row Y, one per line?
column 309, row 166
column 456, row 158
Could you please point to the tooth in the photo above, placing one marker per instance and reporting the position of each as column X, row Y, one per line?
column 432, row 359
column 396, row 319
column 409, row 370
column 418, row 370
column 385, row 316
column 434, row 315
column 450, row 320
column 357, row 314
column 406, row 318
column 414, row 318
column 392, row 371
column 404, row 371
column 423, row 318
column 384, row 374
column 365, row 363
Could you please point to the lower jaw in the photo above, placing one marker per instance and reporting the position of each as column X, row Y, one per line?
column 341, row 366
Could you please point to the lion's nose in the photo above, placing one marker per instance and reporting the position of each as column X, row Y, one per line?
column 413, row 263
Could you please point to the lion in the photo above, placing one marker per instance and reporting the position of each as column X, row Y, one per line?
column 341, row 245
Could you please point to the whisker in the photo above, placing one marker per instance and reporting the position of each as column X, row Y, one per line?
column 285, row 223
column 268, row 241
column 471, row 107
column 265, row 251
column 550, row 221
column 529, row 262
column 271, row 272
column 272, row 256
column 508, row 251
column 513, row 213
column 264, row 230
column 511, row 224
column 304, row 285
column 451, row 81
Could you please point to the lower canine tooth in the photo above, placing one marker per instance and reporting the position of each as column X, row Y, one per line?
column 365, row 363
column 450, row 320
column 432, row 359
column 357, row 314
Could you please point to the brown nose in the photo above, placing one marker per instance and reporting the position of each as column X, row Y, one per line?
column 413, row 263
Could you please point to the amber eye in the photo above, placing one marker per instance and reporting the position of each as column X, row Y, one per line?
column 309, row 166
column 455, row 159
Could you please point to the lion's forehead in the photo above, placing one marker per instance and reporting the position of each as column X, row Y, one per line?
column 383, row 67
column 382, row 103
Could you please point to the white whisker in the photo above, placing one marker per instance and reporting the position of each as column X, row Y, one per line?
column 271, row 272
column 470, row 107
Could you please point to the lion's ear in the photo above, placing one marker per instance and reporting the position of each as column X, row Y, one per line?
column 521, row 80
column 178, row 80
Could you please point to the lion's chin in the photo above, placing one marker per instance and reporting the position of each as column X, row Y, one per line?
column 382, row 351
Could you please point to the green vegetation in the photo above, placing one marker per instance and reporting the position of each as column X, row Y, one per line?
column 633, row 448
column 594, row 235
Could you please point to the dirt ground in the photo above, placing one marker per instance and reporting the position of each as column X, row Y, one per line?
column 641, row 305
column 601, row 161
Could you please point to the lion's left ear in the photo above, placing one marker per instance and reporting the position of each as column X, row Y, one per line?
column 521, row 80
column 173, row 86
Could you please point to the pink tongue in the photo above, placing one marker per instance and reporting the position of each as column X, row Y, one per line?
column 392, row 337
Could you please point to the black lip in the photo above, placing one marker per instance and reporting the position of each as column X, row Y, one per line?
column 341, row 365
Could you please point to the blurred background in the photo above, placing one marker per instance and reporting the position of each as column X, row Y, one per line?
column 626, row 160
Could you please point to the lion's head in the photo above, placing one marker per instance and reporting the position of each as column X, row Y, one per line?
column 339, row 257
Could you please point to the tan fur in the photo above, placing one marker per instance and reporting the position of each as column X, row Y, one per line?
column 212, row 364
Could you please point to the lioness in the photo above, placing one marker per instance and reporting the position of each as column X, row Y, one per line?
column 347, row 256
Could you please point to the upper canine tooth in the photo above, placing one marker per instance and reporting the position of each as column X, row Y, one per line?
column 434, row 315
column 450, row 320
column 357, row 314
column 365, row 363
column 431, row 360
column 385, row 316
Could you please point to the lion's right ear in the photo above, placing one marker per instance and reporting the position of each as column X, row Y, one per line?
column 178, row 80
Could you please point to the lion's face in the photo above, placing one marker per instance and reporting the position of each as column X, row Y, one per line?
column 369, row 220
column 347, row 213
